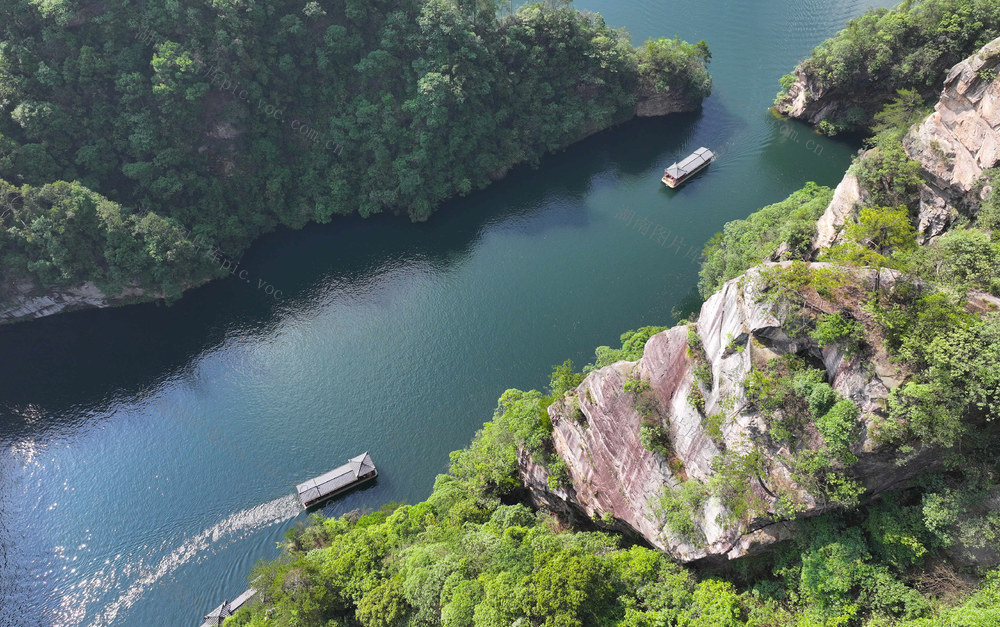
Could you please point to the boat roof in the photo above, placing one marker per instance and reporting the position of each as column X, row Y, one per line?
column 337, row 478
column 694, row 161
column 216, row 616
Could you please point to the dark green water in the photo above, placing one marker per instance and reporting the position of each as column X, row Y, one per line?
column 148, row 454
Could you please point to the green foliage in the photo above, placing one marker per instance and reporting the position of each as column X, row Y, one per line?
column 888, row 174
column 564, row 379
column 745, row 243
column 792, row 396
column 716, row 604
column 703, row 374
column 961, row 259
column 680, row 508
column 958, row 514
column 838, row 427
column 489, row 465
column 828, row 128
column 909, row 47
column 897, row 535
column 881, row 238
column 884, row 230
column 696, row 350
column 922, row 411
column 670, row 64
column 781, row 391
column 655, row 438
column 696, row 399
column 989, row 211
column 980, row 610
column 912, row 318
column 463, row 557
column 899, row 115
column 452, row 561
column 64, row 234
column 633, row 343
column 382, row 606
column 786, row 83
column 635, row 386
column 713, row 427
column 966, row 360
column 735, row 474
column 836, row 573
column 837, row 329
column 230, row 119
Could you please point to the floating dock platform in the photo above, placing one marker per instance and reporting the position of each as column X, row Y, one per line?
column 227, row 609
column 356, row 471
column 694, row 163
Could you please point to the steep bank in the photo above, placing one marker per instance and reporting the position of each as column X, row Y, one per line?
column 848, row 78
column 613, row 475
column 701, row 386
column 958, row 142
column 951, row 148
column 30, row 303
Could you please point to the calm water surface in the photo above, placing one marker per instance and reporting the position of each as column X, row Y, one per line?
column 148, row 454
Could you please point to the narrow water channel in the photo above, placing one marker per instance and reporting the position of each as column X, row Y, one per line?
column 148, row 454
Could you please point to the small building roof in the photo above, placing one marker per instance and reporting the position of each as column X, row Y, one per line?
column 219, row 614
column 361, row 465
column 338, row 478
column 696, row 160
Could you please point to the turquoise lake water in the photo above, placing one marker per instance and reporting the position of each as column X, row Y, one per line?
column 148, row 454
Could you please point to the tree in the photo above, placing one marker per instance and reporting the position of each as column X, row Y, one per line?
column 884, row 230
column 871, row 241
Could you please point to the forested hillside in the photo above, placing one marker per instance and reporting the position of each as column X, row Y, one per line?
column 189, row 126
column 849, row 77
column 879, row 366
column 472, row 556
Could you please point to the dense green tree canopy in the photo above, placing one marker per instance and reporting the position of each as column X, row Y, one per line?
column 229, row 118
column 908, row 47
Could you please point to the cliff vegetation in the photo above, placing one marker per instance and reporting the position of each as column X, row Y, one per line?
column 818, row 446
column 849, row 78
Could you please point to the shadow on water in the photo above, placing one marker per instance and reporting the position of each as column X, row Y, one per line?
column 143, row 344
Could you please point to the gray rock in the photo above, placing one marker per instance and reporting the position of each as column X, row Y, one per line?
column 613, row 477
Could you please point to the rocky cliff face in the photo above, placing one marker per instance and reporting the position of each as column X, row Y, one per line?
column 953, row 146
column 808, row 101
column 655, row 104
column 616, row 481
column 958, row 141
column 27, row 303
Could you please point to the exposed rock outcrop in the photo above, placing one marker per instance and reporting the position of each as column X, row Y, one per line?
column 808, row 100
column 664, row 103
column 614, row 479
column 958, row 141
column 953, row 146
column 845, row 200
column 28, row 303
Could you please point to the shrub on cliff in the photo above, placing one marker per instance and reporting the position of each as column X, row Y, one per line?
column 633, row 344
column 742, row 244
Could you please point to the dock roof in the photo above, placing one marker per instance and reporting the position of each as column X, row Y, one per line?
column 696, row 160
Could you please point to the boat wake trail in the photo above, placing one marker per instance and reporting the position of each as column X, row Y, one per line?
column 144, row 576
